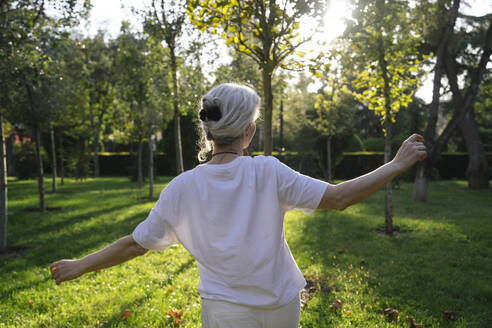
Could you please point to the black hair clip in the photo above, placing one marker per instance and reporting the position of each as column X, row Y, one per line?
column 210, row 112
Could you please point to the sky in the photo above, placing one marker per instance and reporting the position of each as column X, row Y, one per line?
column 108, row 14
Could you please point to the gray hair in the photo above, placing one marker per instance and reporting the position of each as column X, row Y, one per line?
column 239, row 107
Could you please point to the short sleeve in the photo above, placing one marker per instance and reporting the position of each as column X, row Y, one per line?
column 297, row 190
column 156, row 232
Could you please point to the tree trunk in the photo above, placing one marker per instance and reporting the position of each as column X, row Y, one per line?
column 328, row 159
column 177, row 115
column 267, row 123
column 421, row 182
column 383, row 65
column 388, row 199
column 53, row 158
column 139, row 164
column 37, row 132
column 151, row 168
column 477, row 171
column 281, row 125
column 95, row 149
column 62, row 160
column 3, row 190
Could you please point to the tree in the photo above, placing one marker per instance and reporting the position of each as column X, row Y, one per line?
column 477, row 171
column 265, row 30
column 98, row 75
column 331, row 116
column 23, row 44
column 165, row 21
column 384, row 51
column 132, row 83
column 463, row 104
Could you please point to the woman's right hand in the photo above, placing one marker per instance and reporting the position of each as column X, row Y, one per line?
column 411, row 150
column 65, row 270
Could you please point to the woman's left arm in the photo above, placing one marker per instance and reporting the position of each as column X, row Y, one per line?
column 121, row 251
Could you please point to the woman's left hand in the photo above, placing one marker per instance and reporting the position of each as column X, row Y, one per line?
column 412, row 150
column 65, row 270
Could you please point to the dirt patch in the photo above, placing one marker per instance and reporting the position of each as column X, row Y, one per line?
column 13, row 251
column 314, row 284
column 37, row 209
column 398, row 231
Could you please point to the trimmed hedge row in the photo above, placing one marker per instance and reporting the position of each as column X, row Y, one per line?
column 126, row 164
column 451, row 165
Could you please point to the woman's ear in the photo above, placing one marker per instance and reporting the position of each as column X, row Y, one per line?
column 252, row 128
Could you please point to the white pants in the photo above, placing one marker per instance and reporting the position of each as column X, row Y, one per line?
column 220, row 314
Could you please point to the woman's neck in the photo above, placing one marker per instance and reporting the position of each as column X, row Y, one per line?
column 222, row 155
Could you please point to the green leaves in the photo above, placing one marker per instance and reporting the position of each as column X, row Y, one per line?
column 385, row 53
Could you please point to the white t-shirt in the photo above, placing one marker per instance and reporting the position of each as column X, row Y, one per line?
column 230, row 217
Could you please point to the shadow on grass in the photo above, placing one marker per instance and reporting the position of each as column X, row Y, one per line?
column 173, row 275
column 59, row 225
column 74, row 243
column 420, row 271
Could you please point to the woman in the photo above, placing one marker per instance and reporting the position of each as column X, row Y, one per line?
column 228, row 213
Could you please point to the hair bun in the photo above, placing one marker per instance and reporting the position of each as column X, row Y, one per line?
column 210, row 112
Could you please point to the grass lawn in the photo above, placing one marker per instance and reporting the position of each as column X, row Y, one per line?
column 441, row 260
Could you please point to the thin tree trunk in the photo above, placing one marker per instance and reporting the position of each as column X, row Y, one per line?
column 37, row 132
column 281, row 124
column 3, row 190
column 62, row 160
column 388, row 198
column 477, row 171
column 95, row 149
column 267, row 123
column 151, row 168
column 139, row 164
column 177, row 116
column 260, row 135
column 421, row 182
column 383, row 65
column 53, row 158
column 328, row 159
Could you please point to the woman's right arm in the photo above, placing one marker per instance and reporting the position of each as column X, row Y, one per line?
column 121, row 251
column 350, row 192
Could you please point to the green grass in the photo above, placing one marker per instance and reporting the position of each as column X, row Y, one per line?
column 440, row 260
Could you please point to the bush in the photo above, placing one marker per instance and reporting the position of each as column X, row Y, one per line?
column 374, row 144
column 25, row 160
column 78, row 163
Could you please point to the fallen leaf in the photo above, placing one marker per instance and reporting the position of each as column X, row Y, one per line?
column 98, row 271
column 450, row 315
column 29, row 302
column 391, row 313
column 348, row 312
column 126, row 314
column 341, row 250
column 413, row 324
column 337, row 304
column 174, row 314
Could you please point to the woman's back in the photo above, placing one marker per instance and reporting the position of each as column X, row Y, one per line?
column 230, row 218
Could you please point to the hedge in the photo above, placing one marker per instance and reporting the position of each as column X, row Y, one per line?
column 450, row 165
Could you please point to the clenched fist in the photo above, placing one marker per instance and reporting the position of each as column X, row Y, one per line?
column 411, row 150
column 65, row 270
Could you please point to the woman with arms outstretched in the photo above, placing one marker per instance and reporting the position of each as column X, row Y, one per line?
column 229, row 214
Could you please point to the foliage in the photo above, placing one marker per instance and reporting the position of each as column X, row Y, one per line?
column 384, row 48
column 372, row 272
column 25, row 160
column 266, row 31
